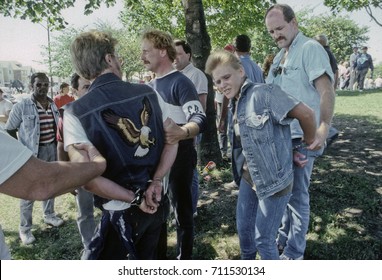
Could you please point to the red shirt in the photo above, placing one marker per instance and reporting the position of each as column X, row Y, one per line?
column 61, row 100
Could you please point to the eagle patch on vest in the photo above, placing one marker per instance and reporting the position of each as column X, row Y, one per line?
column 129, row 131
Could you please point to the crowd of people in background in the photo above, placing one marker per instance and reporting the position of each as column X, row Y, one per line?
column 272, row 121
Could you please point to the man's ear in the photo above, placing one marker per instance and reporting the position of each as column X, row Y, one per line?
column 163, row 52
column 108, row 58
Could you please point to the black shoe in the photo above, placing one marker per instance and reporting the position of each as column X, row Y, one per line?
column 330, row 140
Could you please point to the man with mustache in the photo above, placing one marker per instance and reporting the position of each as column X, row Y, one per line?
column 302, row 69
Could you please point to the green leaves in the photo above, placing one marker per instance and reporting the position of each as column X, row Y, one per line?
column 355, row 5
column 46, row 11
column 342, row 32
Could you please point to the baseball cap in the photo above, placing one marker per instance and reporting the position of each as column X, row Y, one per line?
column 230, row 48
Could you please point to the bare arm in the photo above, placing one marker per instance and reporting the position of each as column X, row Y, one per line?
column 326, row 91
column 101, row 186
column 61, row 154
column 154, row 191
column 40, row 180
column 176, row 133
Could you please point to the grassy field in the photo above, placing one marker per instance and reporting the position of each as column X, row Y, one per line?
column 346, row 200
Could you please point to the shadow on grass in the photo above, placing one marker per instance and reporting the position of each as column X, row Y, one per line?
column 346, row 194
column 346, row 201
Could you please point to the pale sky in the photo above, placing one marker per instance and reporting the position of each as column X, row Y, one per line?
column 21, row 40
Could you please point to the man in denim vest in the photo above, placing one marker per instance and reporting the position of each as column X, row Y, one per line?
column 125, row 123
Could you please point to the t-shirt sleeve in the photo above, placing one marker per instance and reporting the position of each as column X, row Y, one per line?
column 316, row 61
column 74, row 133
column 13, row 156
column 164, row 107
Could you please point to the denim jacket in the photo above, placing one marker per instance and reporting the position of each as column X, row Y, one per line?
column 24, row 117
column 265, row 136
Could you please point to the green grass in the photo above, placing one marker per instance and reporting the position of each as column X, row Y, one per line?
column 346, row 200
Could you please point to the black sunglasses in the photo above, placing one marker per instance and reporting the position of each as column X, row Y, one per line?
column 42, row 84
column 277, row 71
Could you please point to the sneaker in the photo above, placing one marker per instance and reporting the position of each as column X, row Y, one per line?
column 27, row 237
column 286, row 258
column 231, row 185
column 53, row 221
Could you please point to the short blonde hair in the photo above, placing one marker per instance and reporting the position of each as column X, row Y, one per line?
column 88, row 52
column 222, row 57
column 161, row 41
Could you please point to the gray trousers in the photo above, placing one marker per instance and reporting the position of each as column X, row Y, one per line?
column 360, row 77
column 85, row 217
column 47, row 153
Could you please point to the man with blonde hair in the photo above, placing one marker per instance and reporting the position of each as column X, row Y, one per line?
column 188, row 117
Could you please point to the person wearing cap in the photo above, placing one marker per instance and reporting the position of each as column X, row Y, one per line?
column 363, row 62
column 352, row 60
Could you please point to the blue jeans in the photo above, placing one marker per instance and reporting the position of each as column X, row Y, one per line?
column 46, row 153
column 258, row 221
column 85, row 216
column 295, row 222
column 4, row 250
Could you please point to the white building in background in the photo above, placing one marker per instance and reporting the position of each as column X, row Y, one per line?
column 14, row 74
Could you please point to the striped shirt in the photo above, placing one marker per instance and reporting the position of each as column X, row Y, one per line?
column 47, row 132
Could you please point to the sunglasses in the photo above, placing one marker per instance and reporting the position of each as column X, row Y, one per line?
column 277, row 71
column 42, row 84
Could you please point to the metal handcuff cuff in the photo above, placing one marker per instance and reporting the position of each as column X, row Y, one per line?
column 139, row 194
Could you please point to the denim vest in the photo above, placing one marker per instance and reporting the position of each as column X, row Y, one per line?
column 106, row 112
column 24, row 117
column 265, row 136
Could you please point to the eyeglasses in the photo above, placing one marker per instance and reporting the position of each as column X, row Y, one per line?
column 42, row 84
column 277, row 71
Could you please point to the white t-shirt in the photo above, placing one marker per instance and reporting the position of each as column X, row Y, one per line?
column 13, row 156
column 5, row 108
column 198, row 78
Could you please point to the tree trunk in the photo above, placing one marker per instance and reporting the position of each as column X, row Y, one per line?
column 199, row 40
